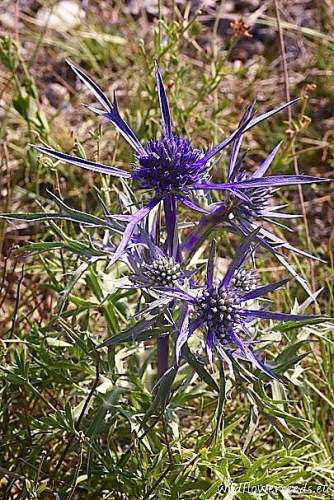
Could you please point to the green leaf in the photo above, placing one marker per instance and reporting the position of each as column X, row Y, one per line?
column 142, row 330
column 198, row 368
column 22, row 105
column 162, row 391
column 288, row 357
column 78, row 273
column 163, row 387
column 293, row 325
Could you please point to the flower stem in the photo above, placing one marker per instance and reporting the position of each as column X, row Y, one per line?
column 163, row 355
column 172, row 244
column 208, row 222
column 171, row 225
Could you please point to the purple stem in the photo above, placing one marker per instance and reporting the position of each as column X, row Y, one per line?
column 170, row 221
column 162, row 351
column 207, row 223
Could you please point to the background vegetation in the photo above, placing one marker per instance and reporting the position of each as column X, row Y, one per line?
column 72, row 425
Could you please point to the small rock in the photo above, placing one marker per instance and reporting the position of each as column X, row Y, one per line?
column 57, row 95
column 65, row 15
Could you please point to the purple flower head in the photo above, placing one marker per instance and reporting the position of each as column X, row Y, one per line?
column 224, row 310
column 151, row 267
column 162, row 272
column 170, row 167
column 255, row 205
column 250, row 194
column 256, row 201
column 245, row 280
column 249, row 201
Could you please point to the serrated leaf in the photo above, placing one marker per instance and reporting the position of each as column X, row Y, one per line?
column 140, row 331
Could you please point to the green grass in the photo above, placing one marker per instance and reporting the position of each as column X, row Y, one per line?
column 73, row 423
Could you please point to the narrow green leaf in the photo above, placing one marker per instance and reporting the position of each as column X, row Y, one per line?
column 198, row 367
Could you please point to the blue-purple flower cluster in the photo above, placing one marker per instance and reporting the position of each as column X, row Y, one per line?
column 169, row 166
column 169, row 171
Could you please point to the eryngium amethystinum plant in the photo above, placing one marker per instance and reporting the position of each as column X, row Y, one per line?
column 171, row 167
column 243, row 210
column 150, row 250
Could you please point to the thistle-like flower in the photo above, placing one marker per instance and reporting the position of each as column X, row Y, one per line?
column 224, row 310
column 251, row 193
column 171, row 167
column 255, row 203
column 150, row 267
column 164, row 271
column 249, row 202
